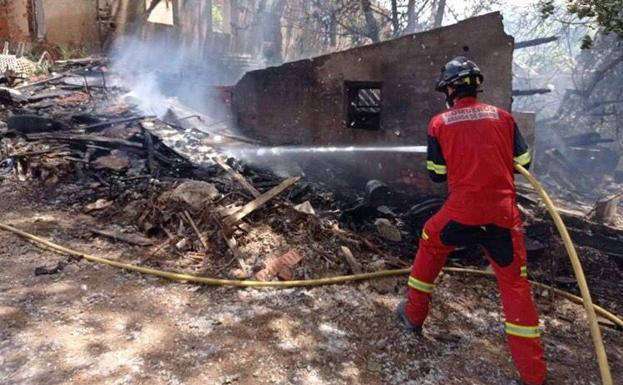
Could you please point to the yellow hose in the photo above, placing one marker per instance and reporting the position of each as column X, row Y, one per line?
column 602, row 359
column 590, row 308
column 284, row 284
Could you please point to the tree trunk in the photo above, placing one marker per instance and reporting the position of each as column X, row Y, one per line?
column 441, row 10
column 372, row 27
column 273, row 40
column 395, row 22
column 411, row 18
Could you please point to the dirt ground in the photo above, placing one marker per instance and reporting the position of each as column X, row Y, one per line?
column 91, row 324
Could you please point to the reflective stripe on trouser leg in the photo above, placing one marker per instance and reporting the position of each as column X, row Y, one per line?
column 521, row 317
column 430, row 258
column 422, row 286
column 522, row 331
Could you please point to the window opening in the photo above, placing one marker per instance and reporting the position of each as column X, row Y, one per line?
column 364, row 105
column 162, row 13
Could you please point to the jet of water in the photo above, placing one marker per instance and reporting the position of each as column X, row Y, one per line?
column 292, row 150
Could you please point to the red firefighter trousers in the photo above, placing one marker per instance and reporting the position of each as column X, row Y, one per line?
column 505, row 250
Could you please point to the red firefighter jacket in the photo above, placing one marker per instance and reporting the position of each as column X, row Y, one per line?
column 473, row 146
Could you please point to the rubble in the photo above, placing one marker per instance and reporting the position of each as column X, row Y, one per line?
column 169, row 195
column 281, row 266
column 200, row 210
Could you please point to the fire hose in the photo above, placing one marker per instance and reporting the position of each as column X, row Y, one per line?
column 590, row 308
column 600, row 350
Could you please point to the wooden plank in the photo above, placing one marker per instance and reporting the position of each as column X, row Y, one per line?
column 132, row 239
column 194, row 226
column 236, row 175
column 260, row 201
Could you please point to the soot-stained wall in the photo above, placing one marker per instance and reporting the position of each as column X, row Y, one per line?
column 303, row 102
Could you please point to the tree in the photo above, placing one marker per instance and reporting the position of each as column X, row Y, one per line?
column 372, row 27
column 605, row 15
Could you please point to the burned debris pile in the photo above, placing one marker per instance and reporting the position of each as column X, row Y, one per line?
column 162, row 186
column 581, row 169
column 94, row 151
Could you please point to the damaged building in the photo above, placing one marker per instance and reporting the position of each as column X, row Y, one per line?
column 376, row 95
column 162, row 159
column 379, row 94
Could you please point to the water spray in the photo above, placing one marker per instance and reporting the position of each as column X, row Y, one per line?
column 295, row 150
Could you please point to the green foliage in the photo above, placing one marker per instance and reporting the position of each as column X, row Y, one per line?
column 547, row 9
column 218, row 20
column 607, row 15
column 587, row 42
column 66, row 52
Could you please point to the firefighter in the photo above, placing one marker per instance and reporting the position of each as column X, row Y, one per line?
column 473, row 146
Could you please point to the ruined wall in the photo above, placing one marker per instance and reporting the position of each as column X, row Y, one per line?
column 304, row 102
column 14, row 25
column 72, row 23
column 64, row 23
column 5, row 30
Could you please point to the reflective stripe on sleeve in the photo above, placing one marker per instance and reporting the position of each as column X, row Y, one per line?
column 416, row 284
column 523, row 159
column 522, row 331
column 424, row 235
column 524, row 271
column 436, row 168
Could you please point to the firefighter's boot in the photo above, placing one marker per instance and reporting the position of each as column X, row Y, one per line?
column 404, row 320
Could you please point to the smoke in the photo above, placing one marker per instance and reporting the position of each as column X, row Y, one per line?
column 157, row 67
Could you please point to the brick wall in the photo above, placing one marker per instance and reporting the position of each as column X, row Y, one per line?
column 304, row 103
column 14, row 20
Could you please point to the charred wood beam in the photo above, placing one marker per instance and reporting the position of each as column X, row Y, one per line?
column 40, row 82
column 81, row 138
column 101, row 141
column 113, row 122
column 535, row 42
column 534, row 91
column 149, row 146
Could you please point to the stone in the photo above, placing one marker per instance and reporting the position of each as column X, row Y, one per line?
column 194, row 193
column 305, row 208
column 387, row 230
